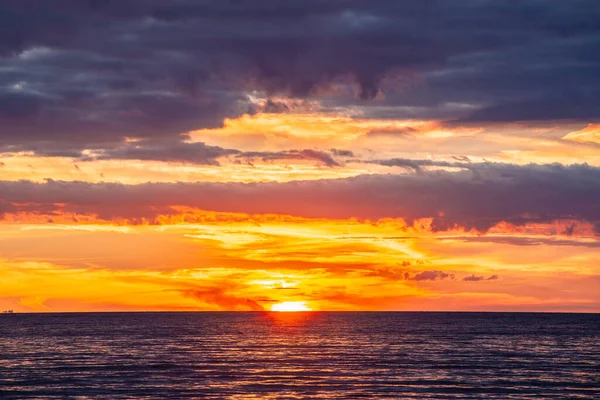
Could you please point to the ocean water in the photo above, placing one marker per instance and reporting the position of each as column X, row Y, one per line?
column 300, row 355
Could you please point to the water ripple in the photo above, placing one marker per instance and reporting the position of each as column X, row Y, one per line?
column 301, row 355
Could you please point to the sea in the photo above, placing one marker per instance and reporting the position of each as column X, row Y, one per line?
column 311, row 355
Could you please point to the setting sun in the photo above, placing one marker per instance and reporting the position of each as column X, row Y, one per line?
column 289, row 306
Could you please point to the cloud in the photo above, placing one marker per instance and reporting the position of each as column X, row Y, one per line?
column 408, row 131
column 589, row 134
column 223, row 300
column 306, row 154
column 428, row 276
column 342, row 153
column 474, row 278
column 88, row 72
column 573, row 107
column 18, row 106
column 175, row 151
column 395, row 274
column 416, row 165
column 476, row 199
column 528, row 241
column 181, row 152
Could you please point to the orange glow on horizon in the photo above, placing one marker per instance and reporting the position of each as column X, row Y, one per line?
column 290, row 306
column 224, row 261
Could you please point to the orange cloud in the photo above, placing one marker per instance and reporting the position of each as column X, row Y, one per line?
column 228, row 261
column 589, row 134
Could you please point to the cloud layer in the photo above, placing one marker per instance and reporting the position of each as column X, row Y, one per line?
column 90, row 73
column 477, row 198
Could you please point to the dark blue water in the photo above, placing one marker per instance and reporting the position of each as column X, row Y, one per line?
column 300, row 355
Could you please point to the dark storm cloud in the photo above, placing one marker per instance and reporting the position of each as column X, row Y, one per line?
column 96, row 71
column 18, row 105
column 495, row 193
column 571, row 106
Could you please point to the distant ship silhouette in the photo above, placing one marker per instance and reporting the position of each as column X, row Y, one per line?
column 8, row 312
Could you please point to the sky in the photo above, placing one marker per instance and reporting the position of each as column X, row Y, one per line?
column 340, row 155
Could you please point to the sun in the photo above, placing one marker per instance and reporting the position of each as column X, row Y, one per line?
column 290, row 306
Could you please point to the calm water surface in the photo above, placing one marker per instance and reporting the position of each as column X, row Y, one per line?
column 300, row 355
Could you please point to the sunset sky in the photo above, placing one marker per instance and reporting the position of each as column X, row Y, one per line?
column 332, row 155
